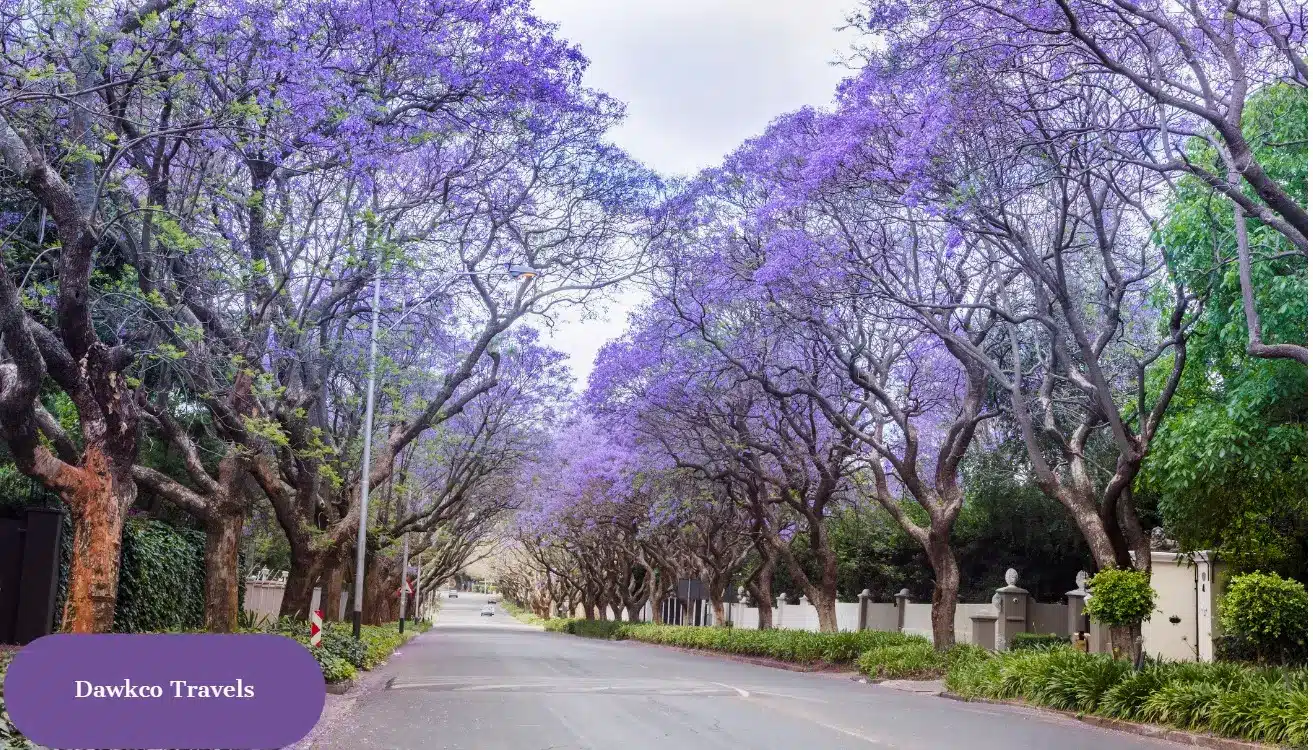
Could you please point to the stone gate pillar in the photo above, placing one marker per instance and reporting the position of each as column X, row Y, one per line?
column 901, row 598
column 1014, row 608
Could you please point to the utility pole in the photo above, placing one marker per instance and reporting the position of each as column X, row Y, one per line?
column 364, row 459
column 405, row 558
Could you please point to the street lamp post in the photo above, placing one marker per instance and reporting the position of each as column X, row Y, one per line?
column 358, row 600
column 517, row 272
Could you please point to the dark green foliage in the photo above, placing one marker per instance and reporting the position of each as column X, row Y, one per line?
column 1007, row 522
column 1120, row 597
column 1264, row 618
column 609, row 629
column 1022, row 641
column 161, row 579
column 872, row 553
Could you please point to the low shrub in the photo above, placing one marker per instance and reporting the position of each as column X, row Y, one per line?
column 339, row 642
column 974, row 678
column 334, row 667
column 797, row 646
column 608, row 629
column 1233, row 700
column 1126, row 699
column 1078, row 682
column 905, row 661
column 379, row 643
column 1264, row 618
column 557, row 625
column 1033, row 641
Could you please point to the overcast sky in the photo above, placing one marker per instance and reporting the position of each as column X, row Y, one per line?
column 699, row 77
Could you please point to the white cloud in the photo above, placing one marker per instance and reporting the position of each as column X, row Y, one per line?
column 699, row 77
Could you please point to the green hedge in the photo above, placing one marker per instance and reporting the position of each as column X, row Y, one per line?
column 798, row 646
column 1033, row 641
column 161, row 578
column 612, row 629
column 1244, row 702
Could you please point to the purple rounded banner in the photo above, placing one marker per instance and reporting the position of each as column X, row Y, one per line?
column 198, row 691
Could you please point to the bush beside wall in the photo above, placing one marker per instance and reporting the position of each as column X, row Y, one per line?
column 1264, row 618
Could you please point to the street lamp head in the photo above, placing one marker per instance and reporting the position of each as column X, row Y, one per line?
column 521, row 273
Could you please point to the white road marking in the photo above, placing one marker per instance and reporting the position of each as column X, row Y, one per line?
column 742, row 693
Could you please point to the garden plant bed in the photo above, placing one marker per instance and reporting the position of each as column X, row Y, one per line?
column 1212, row 704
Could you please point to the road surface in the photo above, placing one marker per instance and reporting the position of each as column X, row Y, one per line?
column 489, row 683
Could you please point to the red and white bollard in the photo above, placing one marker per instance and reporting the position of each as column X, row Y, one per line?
column 316, row 627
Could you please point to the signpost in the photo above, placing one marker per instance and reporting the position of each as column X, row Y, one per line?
column 316, row 627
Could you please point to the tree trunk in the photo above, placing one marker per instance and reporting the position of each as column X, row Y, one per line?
column 331, row 598
column 826, row 615
column 589, row 610
column 759, row 585
column 654, row 596
column 943, row 604
column 718, row 612
column 634, row 611
column 99, row 502
column 223, row 534
column 615, row 611
column 379, row 579
column 300, row 587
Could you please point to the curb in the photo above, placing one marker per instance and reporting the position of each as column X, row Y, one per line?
column 339, row 688
column 1152, row 731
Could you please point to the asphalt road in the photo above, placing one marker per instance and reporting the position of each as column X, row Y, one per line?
column 490, row 683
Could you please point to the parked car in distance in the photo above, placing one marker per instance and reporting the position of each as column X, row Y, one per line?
column 487, row 611
column 452, row 595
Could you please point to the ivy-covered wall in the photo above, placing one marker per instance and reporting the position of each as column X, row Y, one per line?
column 161, row 578
column 161, row 572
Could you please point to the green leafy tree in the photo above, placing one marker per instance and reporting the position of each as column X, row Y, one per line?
column 1230, row 466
